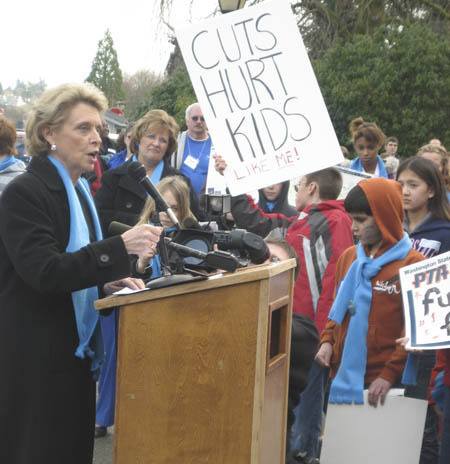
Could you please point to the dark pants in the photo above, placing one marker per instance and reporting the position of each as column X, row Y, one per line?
column 304, row 344
column 430, row 444
column 444, row 457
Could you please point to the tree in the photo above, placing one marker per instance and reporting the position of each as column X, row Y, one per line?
column 29, row 91
column 105, row 72
column 399, row 79
column 138, row 89
column 173, row 95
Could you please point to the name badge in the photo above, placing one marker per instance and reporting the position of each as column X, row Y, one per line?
column 191, row 162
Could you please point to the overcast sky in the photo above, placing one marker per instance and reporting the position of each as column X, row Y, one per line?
column 57, row 40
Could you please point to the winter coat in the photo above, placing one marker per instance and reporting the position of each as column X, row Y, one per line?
column 281, row 204
column 122, row 199
column 47, row 395
column 8, row 174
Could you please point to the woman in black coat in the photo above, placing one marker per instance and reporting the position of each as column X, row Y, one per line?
column 47, row 354
column 153, row 140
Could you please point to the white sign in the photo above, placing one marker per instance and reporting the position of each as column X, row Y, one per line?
column 389, row 434
column 426, row 302
column 258, row 92
column 350, row 178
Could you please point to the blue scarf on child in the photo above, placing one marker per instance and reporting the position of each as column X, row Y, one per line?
column 355, row 297
column 7, row 162
column 356, row 164
column 89, row 333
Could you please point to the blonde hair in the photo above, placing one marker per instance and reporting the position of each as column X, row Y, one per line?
column 368, row 130
column 178, row 187
column 155, row 120
column 442, row 152
column 52, row 109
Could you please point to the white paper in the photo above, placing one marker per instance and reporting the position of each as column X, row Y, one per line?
column 389, row 434
column 259, row 95
column 128, row 291
column 426, row 302
column 350, row 178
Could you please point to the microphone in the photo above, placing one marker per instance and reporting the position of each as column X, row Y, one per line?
column 117, row 228
column 191, row 223
column 216, row 259
column 138, row 173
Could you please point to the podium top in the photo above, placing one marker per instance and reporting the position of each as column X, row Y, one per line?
column 248, row 274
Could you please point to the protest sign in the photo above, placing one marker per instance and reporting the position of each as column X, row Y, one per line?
column 426, row 302
column 350, row 178
column 259, row 95
column 389, row 434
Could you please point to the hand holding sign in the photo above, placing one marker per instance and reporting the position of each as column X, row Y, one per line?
column 259, row 95
column 426, row 299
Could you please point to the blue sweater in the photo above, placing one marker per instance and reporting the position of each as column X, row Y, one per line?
column 432, row 237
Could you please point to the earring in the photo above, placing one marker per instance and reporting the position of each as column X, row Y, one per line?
column 53, row 147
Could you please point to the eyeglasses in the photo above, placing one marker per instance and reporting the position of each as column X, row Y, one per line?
column 196, row 118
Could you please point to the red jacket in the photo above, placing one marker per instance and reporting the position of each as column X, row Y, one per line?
column 319, row 237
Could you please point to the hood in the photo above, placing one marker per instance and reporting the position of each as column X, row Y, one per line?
column 18, row 166
column 280, row 201
column 385, row 200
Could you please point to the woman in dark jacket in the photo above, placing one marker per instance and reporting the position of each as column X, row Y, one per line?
column 153, row 140
column 274, row 199
column 53, row 263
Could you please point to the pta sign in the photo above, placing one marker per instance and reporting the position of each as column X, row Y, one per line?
column 258, row 92
column 426, row 299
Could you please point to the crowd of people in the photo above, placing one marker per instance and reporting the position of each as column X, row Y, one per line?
column 57, row 256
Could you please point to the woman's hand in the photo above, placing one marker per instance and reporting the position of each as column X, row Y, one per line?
column 323, row 356
column 219, row 164
column 142, row 240
column 130, row 282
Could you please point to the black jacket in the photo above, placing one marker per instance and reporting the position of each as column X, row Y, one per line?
column 47, row 395
column 281, row 206
column 121, row 198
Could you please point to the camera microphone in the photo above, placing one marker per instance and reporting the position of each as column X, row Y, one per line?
column 138, row 173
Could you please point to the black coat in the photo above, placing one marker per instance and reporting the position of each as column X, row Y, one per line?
column 47, row 395
column 282, row 205
column 121, row 198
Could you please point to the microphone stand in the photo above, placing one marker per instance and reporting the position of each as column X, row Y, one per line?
column 170, row 278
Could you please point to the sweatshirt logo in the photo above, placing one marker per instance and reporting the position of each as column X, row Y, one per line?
column 387, row 286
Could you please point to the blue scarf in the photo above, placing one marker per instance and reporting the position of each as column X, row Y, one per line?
column 409, row 376
column 356, row 164
column 7, row 162
column 89, row 333
column 270, row 205
column 355, row 297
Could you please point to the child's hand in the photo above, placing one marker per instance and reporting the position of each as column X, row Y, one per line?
column 323, row 356
column 378, row 390
column 219, row 164
column 403, row 341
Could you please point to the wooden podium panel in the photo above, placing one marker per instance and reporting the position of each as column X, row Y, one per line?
column 202, row 371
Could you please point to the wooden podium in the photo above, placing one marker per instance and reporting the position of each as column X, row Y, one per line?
column 202, row 370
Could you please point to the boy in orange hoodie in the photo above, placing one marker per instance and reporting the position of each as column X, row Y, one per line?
column 358, row 342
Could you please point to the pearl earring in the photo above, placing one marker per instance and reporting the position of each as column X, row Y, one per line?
column 53, row 147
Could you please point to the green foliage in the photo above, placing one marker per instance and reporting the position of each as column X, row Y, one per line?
column 399, row 79
column 173, row 95
column 105, row 72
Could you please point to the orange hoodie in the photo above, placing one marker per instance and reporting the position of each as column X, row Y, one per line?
column 385, row 359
